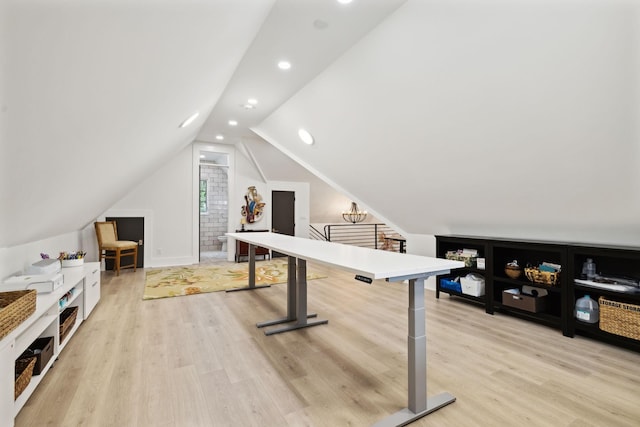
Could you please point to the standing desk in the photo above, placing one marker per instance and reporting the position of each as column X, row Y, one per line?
column 366, row 264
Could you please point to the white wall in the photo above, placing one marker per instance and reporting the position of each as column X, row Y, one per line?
column 164, row 199
column 15, row 260
column 168, row 200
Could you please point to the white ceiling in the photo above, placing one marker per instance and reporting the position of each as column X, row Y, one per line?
column 310, row 34
column 93, row 92
column 512, row 119
column 481, row 116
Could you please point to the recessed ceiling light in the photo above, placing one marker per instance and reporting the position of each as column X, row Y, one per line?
column 284, row 65
column 344, row 1
column 189, row 119
column 252, row 101
column 248, row 106
column 202, row 156
column 219, row 137
column 233, row 123
column 305, row 136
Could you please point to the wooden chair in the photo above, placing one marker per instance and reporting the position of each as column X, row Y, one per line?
column 109, row 247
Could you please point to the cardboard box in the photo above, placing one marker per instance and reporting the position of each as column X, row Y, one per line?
column 513, row 298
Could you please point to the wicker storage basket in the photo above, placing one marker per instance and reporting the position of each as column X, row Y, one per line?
column 542, row 277
column 24, row 372
column 15, row 308
column 620, row 318
column 67, row 320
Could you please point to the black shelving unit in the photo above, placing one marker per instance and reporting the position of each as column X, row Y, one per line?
column 559, row 312
column 454, row 243
column 530, row 253
column 610, row 261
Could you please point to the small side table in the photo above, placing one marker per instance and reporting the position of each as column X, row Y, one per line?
column 242, row 248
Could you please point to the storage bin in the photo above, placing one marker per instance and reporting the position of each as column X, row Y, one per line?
column 620, row 318
column 542, row 277
column 42, row 350
column 451, row 285
column 24, row 372
column 472, row 284
column 15, row 308
column 513, row 298
column 67, row 320
column 78, row 262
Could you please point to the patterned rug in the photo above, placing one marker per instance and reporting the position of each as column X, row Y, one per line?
column 196, row 279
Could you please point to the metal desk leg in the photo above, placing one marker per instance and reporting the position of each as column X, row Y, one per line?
column 252, row 273
column 419, row 405
column 300, row 303
column 292, row 312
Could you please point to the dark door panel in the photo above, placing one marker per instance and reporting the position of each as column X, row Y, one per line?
column 283, row 213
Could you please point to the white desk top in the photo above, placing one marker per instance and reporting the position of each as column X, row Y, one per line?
column 372, row 263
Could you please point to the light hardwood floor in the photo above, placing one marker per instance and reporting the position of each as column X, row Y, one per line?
column 200, row 361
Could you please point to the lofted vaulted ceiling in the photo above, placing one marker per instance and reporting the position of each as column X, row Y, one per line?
column 93, row 93
column 483, row 116
column 515, row 119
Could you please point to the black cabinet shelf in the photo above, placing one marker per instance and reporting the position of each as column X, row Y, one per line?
column 544, row 318
column 454, row 243
column 506, row 282
column 611, row 261
column 616, row 261
column 593, row 331
column 465, row 296
column 633, row 298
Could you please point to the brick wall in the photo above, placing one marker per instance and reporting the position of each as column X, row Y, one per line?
column 214, row 222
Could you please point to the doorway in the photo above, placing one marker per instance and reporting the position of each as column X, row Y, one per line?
column 213, row 205
column 129, row 228
column 283, row 214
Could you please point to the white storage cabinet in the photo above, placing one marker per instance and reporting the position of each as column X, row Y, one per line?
column 44, row 322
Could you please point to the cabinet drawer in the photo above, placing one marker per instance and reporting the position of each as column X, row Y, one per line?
column 91, row 288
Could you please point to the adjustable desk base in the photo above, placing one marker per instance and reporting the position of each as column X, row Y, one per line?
column 282, row 320
column 418, row 404
column 248, row 288
column 296, row 326
column 252, row 273
column 406, row 416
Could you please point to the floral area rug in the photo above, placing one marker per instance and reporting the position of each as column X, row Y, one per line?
column 196, row 279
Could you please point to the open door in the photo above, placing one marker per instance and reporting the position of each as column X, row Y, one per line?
column 283, row 214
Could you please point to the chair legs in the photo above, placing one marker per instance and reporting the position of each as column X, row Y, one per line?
column 118, row 254
column 117, row 260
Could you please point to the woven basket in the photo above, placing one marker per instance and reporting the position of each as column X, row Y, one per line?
column 512, row 272
column 67, row 320
column 620, row 318
column 542, row 277
column 15, row 308
column 24, row 372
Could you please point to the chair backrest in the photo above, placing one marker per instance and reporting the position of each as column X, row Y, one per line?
column 106, row 232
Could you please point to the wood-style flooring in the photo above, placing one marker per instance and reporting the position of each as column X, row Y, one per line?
column 200, row 361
